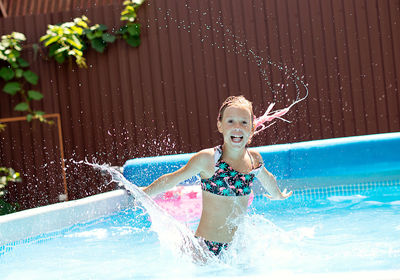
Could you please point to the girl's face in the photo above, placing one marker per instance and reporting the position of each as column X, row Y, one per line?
column 236, row 126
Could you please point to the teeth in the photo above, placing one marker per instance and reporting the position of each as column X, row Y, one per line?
column 236, row 138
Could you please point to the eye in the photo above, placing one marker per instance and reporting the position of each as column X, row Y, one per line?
column 230, row 121
column 244, row 122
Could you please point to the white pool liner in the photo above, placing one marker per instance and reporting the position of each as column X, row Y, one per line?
column 29, row 223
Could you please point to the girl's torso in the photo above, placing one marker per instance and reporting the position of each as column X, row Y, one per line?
column 225, row 196
column 219, row 217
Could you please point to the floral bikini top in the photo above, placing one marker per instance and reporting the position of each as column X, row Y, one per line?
column 228, row 182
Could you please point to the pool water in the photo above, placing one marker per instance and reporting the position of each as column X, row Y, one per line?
column 354, row 230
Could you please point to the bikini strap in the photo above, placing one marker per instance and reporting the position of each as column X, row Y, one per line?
column 217, row 153
column 218, row 156
column 255, row 170
column 251, row 159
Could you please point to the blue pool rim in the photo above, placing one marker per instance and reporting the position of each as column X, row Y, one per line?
column 330, row 160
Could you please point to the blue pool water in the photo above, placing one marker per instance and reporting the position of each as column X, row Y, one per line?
column 345, row 228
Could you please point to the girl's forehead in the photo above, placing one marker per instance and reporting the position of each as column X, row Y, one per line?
column 237, row 110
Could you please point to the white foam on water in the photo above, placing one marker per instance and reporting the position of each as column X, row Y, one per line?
column 397, row 202
column 376, row 203
column 99, row 233
column 256, row 241
column 172, row 234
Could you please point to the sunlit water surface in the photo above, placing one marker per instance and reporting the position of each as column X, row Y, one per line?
column 328, row 234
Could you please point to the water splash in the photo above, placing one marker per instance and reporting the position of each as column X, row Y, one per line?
column 256, row 242
column 172, row 234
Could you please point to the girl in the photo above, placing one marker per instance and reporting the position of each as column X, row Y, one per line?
column 227, row 173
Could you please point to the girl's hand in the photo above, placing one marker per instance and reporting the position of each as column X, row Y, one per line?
column 282, row 196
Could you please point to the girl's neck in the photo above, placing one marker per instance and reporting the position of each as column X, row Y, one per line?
column 233, row 154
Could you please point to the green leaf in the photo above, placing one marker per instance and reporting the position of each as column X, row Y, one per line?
column 98, row 33
column 75, row 52
column 60, row 50
column 35, row 95
column 123, row 29
column 51, row 41
column 81, row 62
column 19, row 72
column 13, row 64
column 31, row 77
column 12, row 88
column 81, row 22
column 90, row 35
column 53, row 49
column 107, row 37
column 23, row 106
column 103, row 27
column 18, row 47
column 60, row 58
column 7, row 208
column 29, row 117
column 86, row 31
column 133, row 41
column 12, row 55
column 77, row 30
column 98, row 45
column 39, row 113
column 44, row 37
column 22, row 62
column 6, row 73
column 75, row 42
column 134, row 29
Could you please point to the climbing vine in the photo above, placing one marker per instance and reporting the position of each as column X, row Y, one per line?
column 64, row 41
column 17, row 75
column 7, row 175
column 71, row 39
column 130, row 32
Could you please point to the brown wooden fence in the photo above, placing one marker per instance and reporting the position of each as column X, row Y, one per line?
column 163, row 97
column 12, row 8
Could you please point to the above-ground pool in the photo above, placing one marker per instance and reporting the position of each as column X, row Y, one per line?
column 332, row 231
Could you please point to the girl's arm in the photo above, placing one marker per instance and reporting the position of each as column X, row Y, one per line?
column 194, row 166
column 269, row 183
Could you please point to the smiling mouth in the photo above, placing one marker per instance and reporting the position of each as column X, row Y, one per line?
column 237, row 139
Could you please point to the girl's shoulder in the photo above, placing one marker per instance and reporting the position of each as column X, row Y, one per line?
column 206, row 155
column 258, row 160
column 203, row 161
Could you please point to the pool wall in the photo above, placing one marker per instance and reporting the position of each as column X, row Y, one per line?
column 28, row 223
column 339, row 160
column 342, row 161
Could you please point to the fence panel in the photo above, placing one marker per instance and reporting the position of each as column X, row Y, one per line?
column 163, row 97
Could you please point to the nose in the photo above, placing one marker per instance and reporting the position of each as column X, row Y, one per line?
column 237, row 125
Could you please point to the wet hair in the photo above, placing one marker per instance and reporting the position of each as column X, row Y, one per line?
column 239, row 101
column 258, row 124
